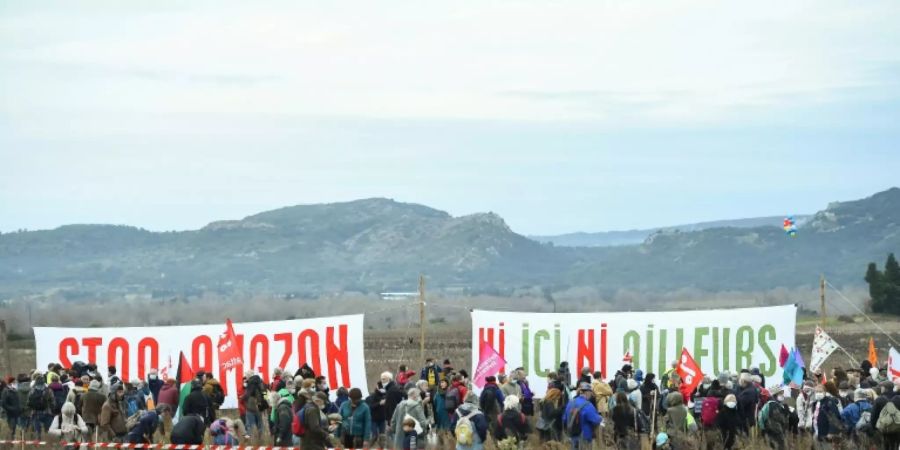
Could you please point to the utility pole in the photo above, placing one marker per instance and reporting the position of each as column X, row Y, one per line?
column 422, row 318
column 822, row 301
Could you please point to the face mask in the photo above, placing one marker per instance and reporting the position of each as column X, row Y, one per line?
column 843, row 393
column 731, row 405
column 152, row 377
column 780, row 398
column 820, row 395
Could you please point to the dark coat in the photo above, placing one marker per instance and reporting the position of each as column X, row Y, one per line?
column 513, row 423
column 189, row 430
column 143, row 432
column 155, row 385
column 91, row 404
column 729, row 422
column 375, row 407
column 393, row 395
column 316, row 436
column 284, row 417
column 196, row 403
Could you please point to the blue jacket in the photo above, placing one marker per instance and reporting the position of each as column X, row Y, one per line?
column 851, row 414
column 828, row 407
column 356, row 422
column 589, row 417
column 477, row 419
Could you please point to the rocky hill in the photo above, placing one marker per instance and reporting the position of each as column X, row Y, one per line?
column 374, row 245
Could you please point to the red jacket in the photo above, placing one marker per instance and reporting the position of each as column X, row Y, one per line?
column 404, row 377
column 462, row 391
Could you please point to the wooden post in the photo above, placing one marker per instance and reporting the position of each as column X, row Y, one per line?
column 6, row 354
column 421, row 318
column 822, row 301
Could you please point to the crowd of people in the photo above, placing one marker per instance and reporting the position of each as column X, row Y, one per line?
column 438, row 406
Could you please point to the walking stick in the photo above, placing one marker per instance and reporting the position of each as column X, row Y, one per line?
column 653, row 417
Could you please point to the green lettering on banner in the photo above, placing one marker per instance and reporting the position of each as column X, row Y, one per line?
column 634, row 348
column 557, row 338
column 663, row 366
column 679, row 342
column 715, row 349
column 726, row 348
column 525, row 354
column 699, row 350
column 744, row 350
column 767, row 333
column 538, row 336
column 650, row 347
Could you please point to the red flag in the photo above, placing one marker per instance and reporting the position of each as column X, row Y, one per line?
column 229, row 354
column 627, row 358
column 690, row 374
column 783, row 356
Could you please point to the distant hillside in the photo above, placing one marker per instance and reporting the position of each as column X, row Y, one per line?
column 374, row 245
column 634, row 237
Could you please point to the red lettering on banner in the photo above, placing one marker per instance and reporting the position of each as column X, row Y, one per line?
column 67, row 347
column 147, row 343
column 586, row 349
column 204, row 364
column 92, row 343
column 603, row 350
column 288, row 348
column 123, row 364
column 337, row 354
column 311, row 337
column 260, row 341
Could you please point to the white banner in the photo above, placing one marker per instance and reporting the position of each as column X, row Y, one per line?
column 332, row 346
column 823, row 347
column 719, row 340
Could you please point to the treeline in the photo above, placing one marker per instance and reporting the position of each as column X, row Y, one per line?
column 884, row 286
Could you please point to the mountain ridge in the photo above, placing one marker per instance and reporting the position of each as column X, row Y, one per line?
column 371, row 245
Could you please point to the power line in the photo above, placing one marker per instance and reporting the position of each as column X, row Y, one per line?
column 840, row 294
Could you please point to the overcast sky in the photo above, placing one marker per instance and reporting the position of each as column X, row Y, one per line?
column 559, row 116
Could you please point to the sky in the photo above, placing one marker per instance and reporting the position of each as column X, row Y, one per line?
column 560, row 116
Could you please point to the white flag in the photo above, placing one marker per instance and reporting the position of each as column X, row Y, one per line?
column 893, row 364
column 823, row 347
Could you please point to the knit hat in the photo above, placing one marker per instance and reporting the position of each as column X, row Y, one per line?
column 631, row 385
column 639, row 375
column 94, row 386
column 860, row 394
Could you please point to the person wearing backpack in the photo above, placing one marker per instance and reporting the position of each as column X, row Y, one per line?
column 134, row 399
column 41, row 403
column 23, row 390
column 886, row 417
column 254, row 404
column 774, row 420
column 512, row 423
column 214, row 392
column 491, row 401
column 470, row 427
column 10, row 406
column 829, row 427
column 857, row 416
column 550, row 422
column 412, row 407
column 68, row 426
column 59, row 392
column 581, row 418
column 679, row 422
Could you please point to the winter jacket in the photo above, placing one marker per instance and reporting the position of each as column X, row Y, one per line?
column 478, row 420
column 23, row 389
column 414, row 409
column 68, row 426
column 112, row 417
column 91, row 405
column 376, row 409
column 491, row 400
column 602, row 393
column 511, row 388
column 189, row 430
column 393, row 395
column 513, row 423
column 284, row 417
column 356, row 421
column 678, row 418
column 316, row 436
column 154, row 384
column 589, row 419
column 552, row 415
column 748, row 401
column 729, row 423
column 441, row 415
column 210, row 389
column 828, row 406
column 49, row 402
column 168, row 395
column 9, row 401
column 647, row 390
column 59, row 392
column 254, row 394
column 805, row 411
column 623, row 417
column 851, row 414
column 430, row 374
column 143, row 432
column 196, row 403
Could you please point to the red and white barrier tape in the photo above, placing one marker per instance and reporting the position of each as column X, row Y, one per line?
column 152, row 446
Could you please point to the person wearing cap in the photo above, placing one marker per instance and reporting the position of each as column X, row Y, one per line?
column 356, row 427
column 91, row 405
column 588, row 418
column 852, row 412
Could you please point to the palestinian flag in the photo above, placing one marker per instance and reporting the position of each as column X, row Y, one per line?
column 183, row 378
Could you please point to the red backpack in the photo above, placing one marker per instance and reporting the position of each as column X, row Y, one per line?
column 709, row 411
column 297, row 426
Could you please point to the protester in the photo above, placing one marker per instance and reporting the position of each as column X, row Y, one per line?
column 550, row 422
column 729, row 421
column 774, row 420
column 356, row 421
column 146, row 427
column 624, row 419
column 112, row 415
column 10, row 406
column 189, row 430
column 491, row 401
column 513, row 423
column 581, row 417
column 441, row 414
column 469, row 425
column 255, row 404
column 92, row 405
column 411, row 407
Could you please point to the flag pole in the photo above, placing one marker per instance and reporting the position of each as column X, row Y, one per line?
column 822, row 300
